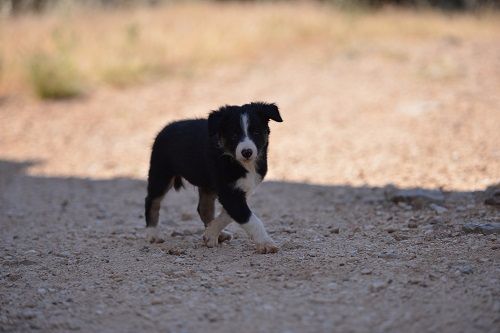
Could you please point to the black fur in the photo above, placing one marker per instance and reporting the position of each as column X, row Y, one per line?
column 202, row 151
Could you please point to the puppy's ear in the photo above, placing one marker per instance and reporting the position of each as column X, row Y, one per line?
column 216, row 120
column 268, row 111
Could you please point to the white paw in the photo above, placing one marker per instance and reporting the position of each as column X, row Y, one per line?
column 266, row 247
column 152, row 235
column 210, row 238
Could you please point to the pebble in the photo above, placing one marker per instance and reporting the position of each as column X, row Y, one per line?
column 389, row 254
column 438, row 209
column 465, row 269
column 417, row 281
column 376, row 286
column 436, row 220
column 335, row 230
column 391, row 229
column 493, row 196
column 366, row 271
column 156, row 301
column 332, row 285
column 415, row 197
column 28, row 314
column 484, row 228
column 412, row 224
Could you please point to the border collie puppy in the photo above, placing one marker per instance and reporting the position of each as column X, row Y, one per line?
column 225, row 156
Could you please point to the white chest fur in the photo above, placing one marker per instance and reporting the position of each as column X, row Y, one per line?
column 248, row 183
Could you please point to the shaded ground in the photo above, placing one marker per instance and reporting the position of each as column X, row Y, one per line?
column 87, row 266
column 418, row 113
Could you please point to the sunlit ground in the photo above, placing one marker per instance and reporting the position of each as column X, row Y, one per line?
column 367, row 97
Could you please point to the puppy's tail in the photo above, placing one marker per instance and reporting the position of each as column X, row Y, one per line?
column 178, row 183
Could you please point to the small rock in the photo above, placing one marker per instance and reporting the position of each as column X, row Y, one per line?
column 404, row 206
column 15, row 214
column 417, row 281
column 42, row 291
column 400, row 237
column 484, row 228
column 391, row 229
column 493, row 196
column 389, row 254
column 28, row 314
column 436, row 220
column 176, row 252
column 417, row 198
column 438, row 209
column 334, row 230
column 156, row 301
column 412, row 224
column 332, row 285
column 465, row 269
column 376, row 286
column 366, row 271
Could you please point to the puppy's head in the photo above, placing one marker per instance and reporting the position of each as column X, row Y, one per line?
column 242, row 131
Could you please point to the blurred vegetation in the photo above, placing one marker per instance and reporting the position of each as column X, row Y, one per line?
column 55, row 75
column 130, row 65
column 19, row 6
column 68, row 51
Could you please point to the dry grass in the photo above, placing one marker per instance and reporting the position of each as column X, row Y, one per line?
column 126, row 47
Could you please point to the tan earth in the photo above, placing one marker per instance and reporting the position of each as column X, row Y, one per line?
column 415, row 113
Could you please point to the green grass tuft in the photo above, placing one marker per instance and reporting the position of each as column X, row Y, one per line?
column 127, row 73
column 54, row 77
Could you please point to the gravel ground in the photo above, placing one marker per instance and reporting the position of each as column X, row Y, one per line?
column 358, row 127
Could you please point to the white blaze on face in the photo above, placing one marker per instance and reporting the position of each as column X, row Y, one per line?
column 246, row 144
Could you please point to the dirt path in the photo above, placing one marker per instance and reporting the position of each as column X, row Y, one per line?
column 423, row 114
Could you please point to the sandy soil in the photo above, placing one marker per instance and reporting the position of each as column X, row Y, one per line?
column 413, row 113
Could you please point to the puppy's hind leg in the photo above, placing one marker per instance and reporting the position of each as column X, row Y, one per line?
column 213, row 231
column 158, row 186
column 206, row 210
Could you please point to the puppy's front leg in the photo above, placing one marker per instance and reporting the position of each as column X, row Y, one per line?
column 234, row 202
column 255, row 229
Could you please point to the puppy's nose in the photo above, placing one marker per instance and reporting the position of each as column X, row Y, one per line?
column 247, row 153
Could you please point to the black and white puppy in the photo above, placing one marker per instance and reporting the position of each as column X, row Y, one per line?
column 225, row 156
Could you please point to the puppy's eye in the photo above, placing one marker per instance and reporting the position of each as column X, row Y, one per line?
column 255, row 132
column 234, row 137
